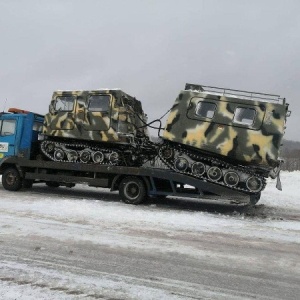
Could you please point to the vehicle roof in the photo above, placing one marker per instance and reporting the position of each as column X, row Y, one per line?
column 116, row 92
column 234, row 94
column 20, row 114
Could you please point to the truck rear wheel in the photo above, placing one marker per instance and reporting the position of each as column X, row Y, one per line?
column 11, row 179
column 132, row 190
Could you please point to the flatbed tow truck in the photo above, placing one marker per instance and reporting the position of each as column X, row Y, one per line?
column 21, row 166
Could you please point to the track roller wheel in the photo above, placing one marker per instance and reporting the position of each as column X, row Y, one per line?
column 132, row 190
column 167, row 152
column 181, row 164
column 198, row 168
column 214, row 173
column 59, row 154
column 254, row 184
column 231, row 178
column 97, row 157
column 114, row 157
column 72, row 155
column 49, row 147
column 85, row 156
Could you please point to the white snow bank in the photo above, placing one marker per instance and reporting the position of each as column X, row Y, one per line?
column 289, row 197
column 82, row 217
column 116, row 220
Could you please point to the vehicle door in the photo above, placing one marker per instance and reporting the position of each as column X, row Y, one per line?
column 98, row 112
column 8, row 145
column 63, row 113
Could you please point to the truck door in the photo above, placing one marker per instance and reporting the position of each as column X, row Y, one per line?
column 8, row 137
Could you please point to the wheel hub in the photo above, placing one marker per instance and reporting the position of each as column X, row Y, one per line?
column 214, row 173
column 231, row 178
column 10, row 179
column 254, row 184
column 181, row 164
column 132, row 191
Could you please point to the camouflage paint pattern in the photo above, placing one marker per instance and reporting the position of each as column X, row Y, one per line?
column 122, row 119
column 255, row 144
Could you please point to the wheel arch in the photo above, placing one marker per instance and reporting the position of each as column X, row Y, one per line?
column 118, row 178
column 4, row 166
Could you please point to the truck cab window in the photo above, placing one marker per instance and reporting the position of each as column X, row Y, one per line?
column 99, row 103
column 64, row 103
column 244, row 116
column 7, row 127
column 205, row 109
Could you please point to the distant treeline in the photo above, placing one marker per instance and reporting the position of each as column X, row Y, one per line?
column 290, row 152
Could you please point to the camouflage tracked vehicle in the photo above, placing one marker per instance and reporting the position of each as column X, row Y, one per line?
column 229, row 137
column 99, row 126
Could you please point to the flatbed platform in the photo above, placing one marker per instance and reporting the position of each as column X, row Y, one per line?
column 157, row 181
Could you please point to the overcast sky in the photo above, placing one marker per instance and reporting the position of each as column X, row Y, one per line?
column 149, row 49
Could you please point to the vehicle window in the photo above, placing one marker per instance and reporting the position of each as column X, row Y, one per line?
column 244, row 116
column 205, row 109
column 99, row 103
column 37, row 126
column 64, row 103
column 8, row 127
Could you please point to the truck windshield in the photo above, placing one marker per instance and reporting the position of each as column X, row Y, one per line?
column 99, row 103
column 64, row 103
column 7, row 127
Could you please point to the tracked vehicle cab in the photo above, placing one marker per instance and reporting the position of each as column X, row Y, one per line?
column 86, row 125
column 99, row 115
column 224, row 126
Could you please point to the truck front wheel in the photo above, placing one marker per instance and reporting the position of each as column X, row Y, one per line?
column 11, row 179
column 132, row 190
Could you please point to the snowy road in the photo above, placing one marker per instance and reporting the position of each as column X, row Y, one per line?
column 84, row 243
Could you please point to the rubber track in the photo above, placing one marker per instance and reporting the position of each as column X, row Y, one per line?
column 209, row 162
column 80, row 147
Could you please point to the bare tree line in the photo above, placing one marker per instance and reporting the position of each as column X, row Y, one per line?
column 290, row 153
column 291, row 160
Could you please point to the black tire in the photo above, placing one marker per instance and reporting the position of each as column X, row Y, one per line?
column 132, row 190
column 11, row 179
column 52, row 184
column 254, row 198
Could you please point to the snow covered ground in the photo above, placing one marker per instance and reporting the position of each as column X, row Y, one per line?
column 83, row 243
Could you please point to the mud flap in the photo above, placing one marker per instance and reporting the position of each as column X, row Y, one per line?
column 278, row 184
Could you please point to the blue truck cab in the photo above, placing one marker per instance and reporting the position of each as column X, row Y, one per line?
column 19, row 131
